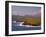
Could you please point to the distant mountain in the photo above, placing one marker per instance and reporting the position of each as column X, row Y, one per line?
column 30, row 16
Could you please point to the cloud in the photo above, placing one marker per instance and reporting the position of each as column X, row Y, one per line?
column 25, row 10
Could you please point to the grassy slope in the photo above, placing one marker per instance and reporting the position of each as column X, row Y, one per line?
column 28, row 20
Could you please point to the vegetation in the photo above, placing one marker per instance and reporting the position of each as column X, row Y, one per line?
column 28, row 20
column 32, row 21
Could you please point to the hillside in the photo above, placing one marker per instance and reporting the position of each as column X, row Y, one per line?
column 28, row 20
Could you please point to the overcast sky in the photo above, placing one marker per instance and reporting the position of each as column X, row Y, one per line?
column 25, row 10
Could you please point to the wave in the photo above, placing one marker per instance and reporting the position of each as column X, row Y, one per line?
column 21, row 24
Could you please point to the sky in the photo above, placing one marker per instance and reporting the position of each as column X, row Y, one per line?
column 26, row 10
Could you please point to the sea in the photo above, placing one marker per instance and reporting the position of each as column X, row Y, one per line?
column 17, row 26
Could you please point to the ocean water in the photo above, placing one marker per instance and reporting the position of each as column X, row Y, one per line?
column 17, row 27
